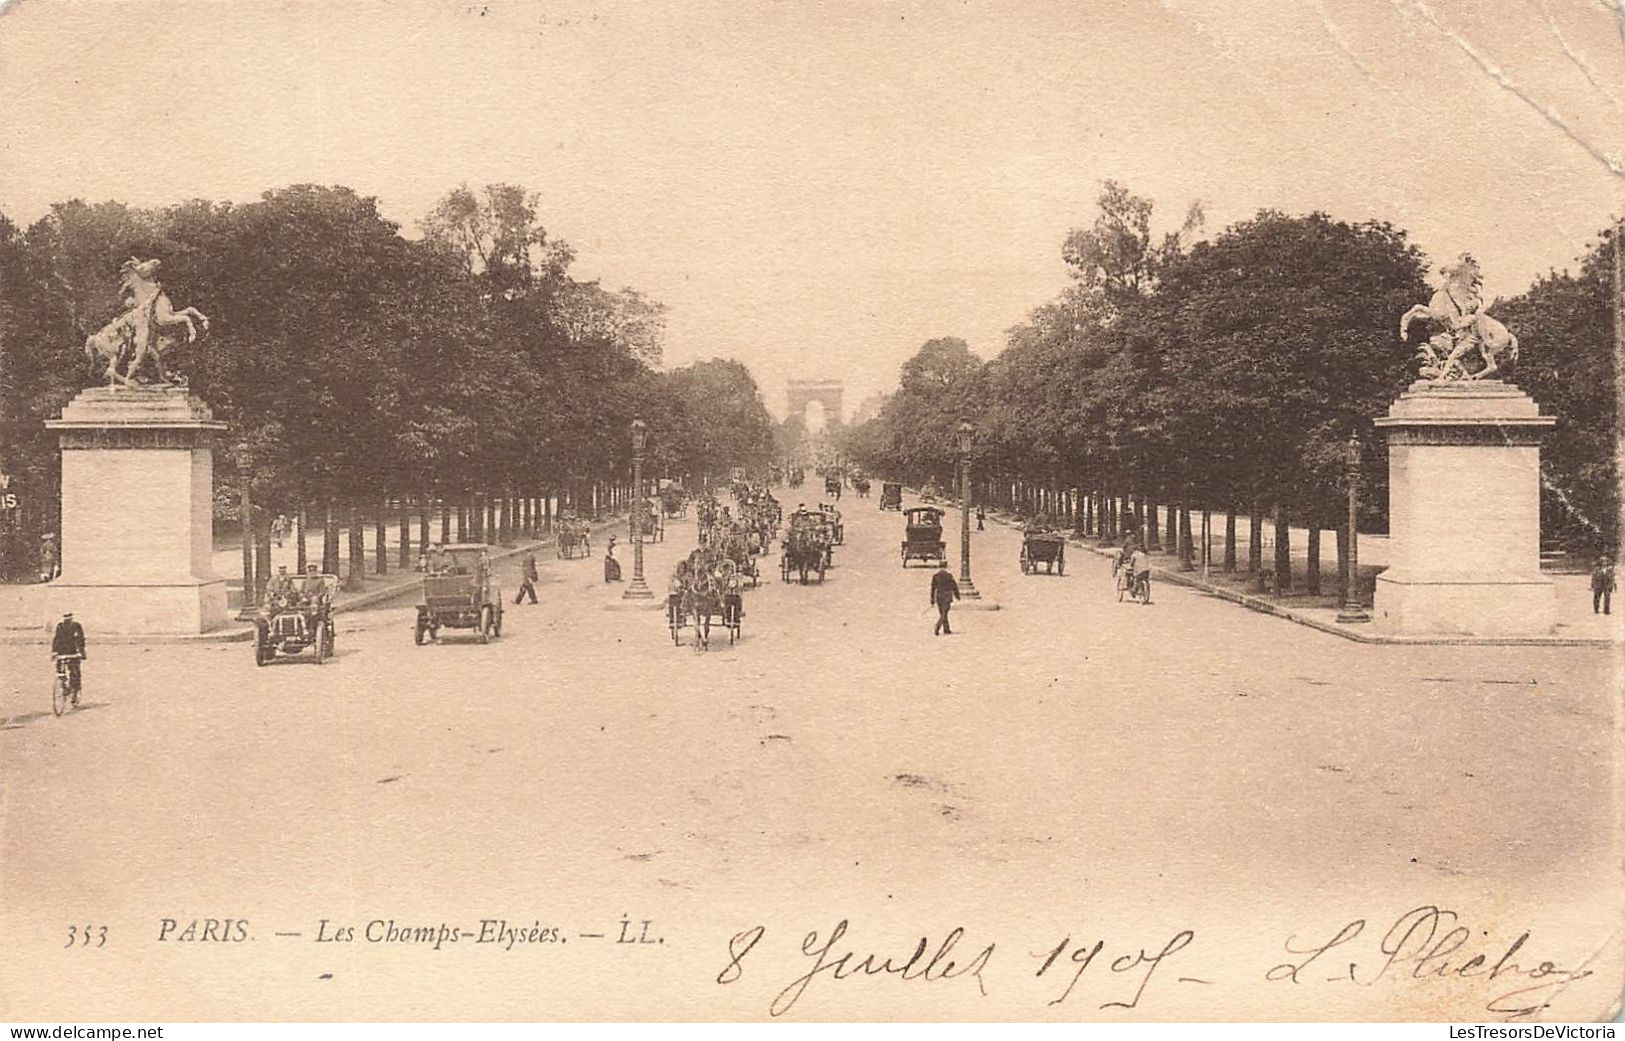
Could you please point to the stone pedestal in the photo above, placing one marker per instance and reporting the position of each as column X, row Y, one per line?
column 137, row 512
column 1464, row 513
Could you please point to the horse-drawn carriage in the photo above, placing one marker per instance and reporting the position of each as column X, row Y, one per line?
column 891, row 496
column 654, row 525
column 832, row 486
column 295, row 618
column 572, row 538
column 861, row 486
column 459, row 592
column 705, row 586
column 922, row 535
column 808, row 546
column 673, row 501
column 1043, row 546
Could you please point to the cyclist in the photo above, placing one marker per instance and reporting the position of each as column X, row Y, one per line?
column 1139, row 564
column 69, row 642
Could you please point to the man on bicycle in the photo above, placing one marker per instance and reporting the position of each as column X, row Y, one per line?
column 69, row 642
column 1139, row 564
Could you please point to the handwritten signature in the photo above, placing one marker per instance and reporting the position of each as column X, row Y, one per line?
column 1429, row 942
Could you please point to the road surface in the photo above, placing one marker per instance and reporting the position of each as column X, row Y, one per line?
column 1065, row 767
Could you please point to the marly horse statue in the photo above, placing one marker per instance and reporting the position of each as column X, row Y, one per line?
column 149, row 323
column 1457, row 307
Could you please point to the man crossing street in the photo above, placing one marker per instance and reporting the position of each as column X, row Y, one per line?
column 527, row 578
column 944, row 591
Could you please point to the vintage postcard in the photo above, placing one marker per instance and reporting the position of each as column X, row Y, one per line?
column 827, row 511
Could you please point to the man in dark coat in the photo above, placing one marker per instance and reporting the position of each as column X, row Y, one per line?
column 944, row 591
column 527, row 578
column 69, row 639
column 1602, row 585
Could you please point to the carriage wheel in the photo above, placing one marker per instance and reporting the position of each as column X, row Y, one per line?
column 496, row 630
column 59, row 694
column 260, row 657
column 485, row 625
column 419, row 631
column 1060, row 565
column 319, row 645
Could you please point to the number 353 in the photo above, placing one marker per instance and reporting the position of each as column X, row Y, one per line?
column 87, row 936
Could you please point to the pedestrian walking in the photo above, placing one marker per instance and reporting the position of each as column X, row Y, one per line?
column 48, row 563
column 944, row 591
column 279, row 529
column 612, row 567
column 1602, row 586
column 981, row 517
column 528, row 576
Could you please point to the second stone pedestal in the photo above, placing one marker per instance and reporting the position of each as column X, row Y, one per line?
column 1464, row 514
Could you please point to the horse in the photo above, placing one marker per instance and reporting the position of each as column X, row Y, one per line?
column 702, row 601
column 1457, row 307
column 144, row 327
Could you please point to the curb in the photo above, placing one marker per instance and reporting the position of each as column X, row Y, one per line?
column 236, row 632
column 1269, row 607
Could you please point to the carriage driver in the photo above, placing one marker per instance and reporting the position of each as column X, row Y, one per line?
column 312, row 588
column 280, row 587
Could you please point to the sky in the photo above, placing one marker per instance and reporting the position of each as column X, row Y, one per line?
column 816, row 188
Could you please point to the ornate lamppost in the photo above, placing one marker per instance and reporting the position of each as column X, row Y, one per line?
column 967, row 588
column 245, row 459
column 1353, row 609
column 638, row 590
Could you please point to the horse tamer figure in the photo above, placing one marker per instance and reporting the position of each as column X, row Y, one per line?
column 1465, row 329
column 149, row 325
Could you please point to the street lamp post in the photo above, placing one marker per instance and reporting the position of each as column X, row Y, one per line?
column 638, row 590
column 967, row 588
column 1353, row 609
column 246, row 509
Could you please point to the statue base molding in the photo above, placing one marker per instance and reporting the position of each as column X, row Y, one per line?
column 1464, row 513
column 137, row 537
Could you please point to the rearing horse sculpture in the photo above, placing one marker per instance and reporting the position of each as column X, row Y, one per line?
column 149, row 322
column 1458, row 308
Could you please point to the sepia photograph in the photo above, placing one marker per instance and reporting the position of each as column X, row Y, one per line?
column 745, row 511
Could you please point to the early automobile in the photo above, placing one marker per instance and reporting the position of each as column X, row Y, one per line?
column 1046, row 547
column 298, row 617
column 922, row 535
column 459, row 592
column 891, row 496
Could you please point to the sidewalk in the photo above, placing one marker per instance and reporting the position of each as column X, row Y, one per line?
column 1577, row 626
column 23, row 621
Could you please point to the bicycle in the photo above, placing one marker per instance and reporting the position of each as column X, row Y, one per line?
column 1142, row 587
column 64, row 689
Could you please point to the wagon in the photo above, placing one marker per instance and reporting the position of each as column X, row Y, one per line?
column 891, row 496
column 459, row 592
column 1046, row 548
column 922, row 530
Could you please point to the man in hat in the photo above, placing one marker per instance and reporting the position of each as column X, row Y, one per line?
column 69, row 641
column 944, row 591
column 280, row 587
column 313, row 588
column 47, row 557
column 1602, row 585
column 527, row 578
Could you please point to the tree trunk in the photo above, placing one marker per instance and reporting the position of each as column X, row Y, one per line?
column 547, row 512
column 380, row 539
column 301, row 521
column 1283, row 552
column 445, row 521
column 462, row 518
column 358, row 552
column 1152, row 520
column 1185, row 541
column 1171, row 537
column 505, row 532
column 491, row 514
column 1230, row 540
column 330, row 539
column 404, row 559
column 1255, row 539
column 1089, row 513
column 1311, row 574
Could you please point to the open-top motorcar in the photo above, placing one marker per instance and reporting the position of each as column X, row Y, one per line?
column 459, row 592
column 296, row 618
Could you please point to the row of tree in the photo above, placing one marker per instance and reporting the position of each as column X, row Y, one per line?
column 1228, row 374
column 463, row 368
